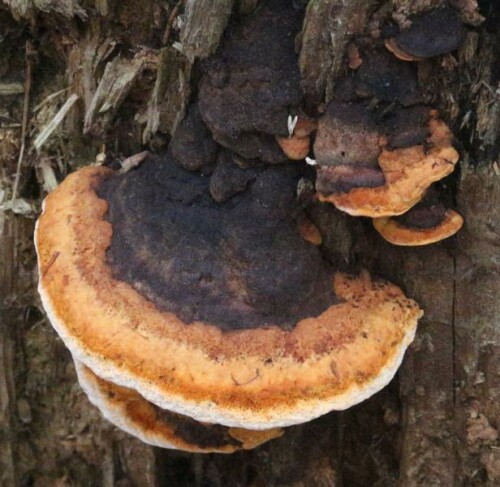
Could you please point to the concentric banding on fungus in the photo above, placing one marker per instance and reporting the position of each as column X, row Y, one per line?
column 129, row 411
column 255, row 378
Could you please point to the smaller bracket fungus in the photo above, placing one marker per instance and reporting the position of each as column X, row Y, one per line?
column 220, row 312
column 382, row 174
column 426, row 223
column 129, row 411
column 298, row 144
column 431, row 33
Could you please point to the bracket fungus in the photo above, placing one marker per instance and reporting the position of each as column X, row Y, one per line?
column 431, row 33
column 377, row 147
column 128, row 410
column 427, row 222
column 220, row 312
column 366, row 170
column 192, row 291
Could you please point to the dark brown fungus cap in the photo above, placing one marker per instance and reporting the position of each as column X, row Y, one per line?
column 343, row 178
column 347, row 147
column 128, row 410
column 242, row 276
column 221, row 312
column 427, row 222
column 431, row 33
column 347, row 134
column 248, row 88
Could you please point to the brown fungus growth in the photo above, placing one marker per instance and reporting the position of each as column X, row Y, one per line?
column 220, row 312
column 381, row 167
column 343, row 178
column 243, row 275
column 252, row 84
column 228, row 178
column 383, row 77
column 430, row 34
column 347, row 134
column 129, row 411
column 427, row 222
column 192, row 146
column 406, row 127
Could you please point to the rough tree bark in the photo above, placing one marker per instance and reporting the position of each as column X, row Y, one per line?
column 133, row 69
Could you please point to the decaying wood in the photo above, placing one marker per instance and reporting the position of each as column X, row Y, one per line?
column 116, row 83
column 437, row 424
column 167, row 104
column 477, row 330
column 27, row 8
column 328, row 27
column 204, row 24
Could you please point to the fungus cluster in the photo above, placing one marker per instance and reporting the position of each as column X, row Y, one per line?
column 192, row 291
column 221, row 313
column 379, row 147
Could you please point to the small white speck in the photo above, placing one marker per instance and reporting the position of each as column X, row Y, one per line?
column 311, row 162
column 292, row 121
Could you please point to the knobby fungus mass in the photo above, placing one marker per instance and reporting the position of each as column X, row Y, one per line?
column 192, row 291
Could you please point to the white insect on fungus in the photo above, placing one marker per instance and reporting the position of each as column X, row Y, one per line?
column 292, row 122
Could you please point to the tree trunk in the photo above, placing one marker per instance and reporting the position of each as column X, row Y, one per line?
column 133, row 69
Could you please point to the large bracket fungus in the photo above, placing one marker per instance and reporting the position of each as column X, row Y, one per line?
column 216, row 311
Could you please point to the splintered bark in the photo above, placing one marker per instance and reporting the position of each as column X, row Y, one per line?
column 133, row 70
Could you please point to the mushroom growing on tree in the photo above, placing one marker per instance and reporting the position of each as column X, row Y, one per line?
column 431, row 33
column 221, row 312
column 363, row 178
column 378, row 147
column 132, row 413
column 427, row 222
